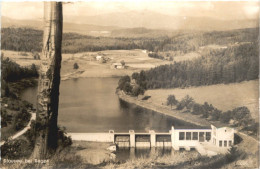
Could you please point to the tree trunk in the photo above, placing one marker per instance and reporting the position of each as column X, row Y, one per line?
column 49, row 82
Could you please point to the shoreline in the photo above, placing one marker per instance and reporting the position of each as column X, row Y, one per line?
column 193, row 119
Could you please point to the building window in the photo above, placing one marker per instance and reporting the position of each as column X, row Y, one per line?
column 181, row 136
column 208, row 136
column 230, row 143
column 188, row 135
column 194, row 135
column 220, row 143
column 201, row 137
column 225, row 143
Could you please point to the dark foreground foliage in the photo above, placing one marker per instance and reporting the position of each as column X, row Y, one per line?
column 203, row 162
column 16, row 149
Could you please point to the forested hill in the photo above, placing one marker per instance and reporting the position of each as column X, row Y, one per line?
column 27, row 39
column 235, row 64
column 190, row 42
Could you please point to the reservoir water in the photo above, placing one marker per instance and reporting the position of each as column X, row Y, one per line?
column 91, row 105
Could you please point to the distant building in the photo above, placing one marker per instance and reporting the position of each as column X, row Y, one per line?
column 117, row 66
column 99, row 57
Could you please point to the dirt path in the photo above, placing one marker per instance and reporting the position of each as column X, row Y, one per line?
column 21, row 132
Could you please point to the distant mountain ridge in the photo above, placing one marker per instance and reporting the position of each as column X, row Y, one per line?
column 154, row 20
column 108, row 24
column 67, row 27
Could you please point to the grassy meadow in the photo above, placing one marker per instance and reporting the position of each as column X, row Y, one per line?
column 222, row 96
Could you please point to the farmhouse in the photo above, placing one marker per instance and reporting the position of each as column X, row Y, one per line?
column 117, row 66
column 99, row 57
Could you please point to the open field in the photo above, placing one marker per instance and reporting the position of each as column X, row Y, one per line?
column 135, row 60
column 222, row 96
column 21, row 58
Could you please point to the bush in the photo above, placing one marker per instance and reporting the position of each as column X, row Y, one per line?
column 30, row 134
column 137, row 90
column 127, row 88
column 122, row 81
column 226, row 116
column 22, row 119
column 187, row 102
column 234, row 154
column 253, row 128
column 242, row 116
column 63, row 139
column 13, row 149
column 75, row 66
column 215, row 114
column 196, row 109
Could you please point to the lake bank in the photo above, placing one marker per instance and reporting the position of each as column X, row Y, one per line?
column 163, row 110
column 12, row 106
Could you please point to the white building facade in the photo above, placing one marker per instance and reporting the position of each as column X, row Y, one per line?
column 193, row 138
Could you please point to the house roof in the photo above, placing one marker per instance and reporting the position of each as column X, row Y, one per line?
column 117, row 64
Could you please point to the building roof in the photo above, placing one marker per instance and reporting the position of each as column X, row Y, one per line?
column 218, row 124
column 120, row 64
column 192, row 127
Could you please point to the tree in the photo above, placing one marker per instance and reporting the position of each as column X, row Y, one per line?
column 122, row 62
column 135, row 75
column 171, row 100
column 36, row 56
column 196, row 109
column 127, row 87
column 75, row 66
column 137, row 90
column 226, row 116
column 46, row 141
column 216, row 114
column 122, row 81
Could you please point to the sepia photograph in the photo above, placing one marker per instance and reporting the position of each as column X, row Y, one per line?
column 119, row 84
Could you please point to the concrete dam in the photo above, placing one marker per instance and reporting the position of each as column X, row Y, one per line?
column 207, row 141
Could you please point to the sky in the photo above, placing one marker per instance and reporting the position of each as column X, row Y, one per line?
column 215, row 9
